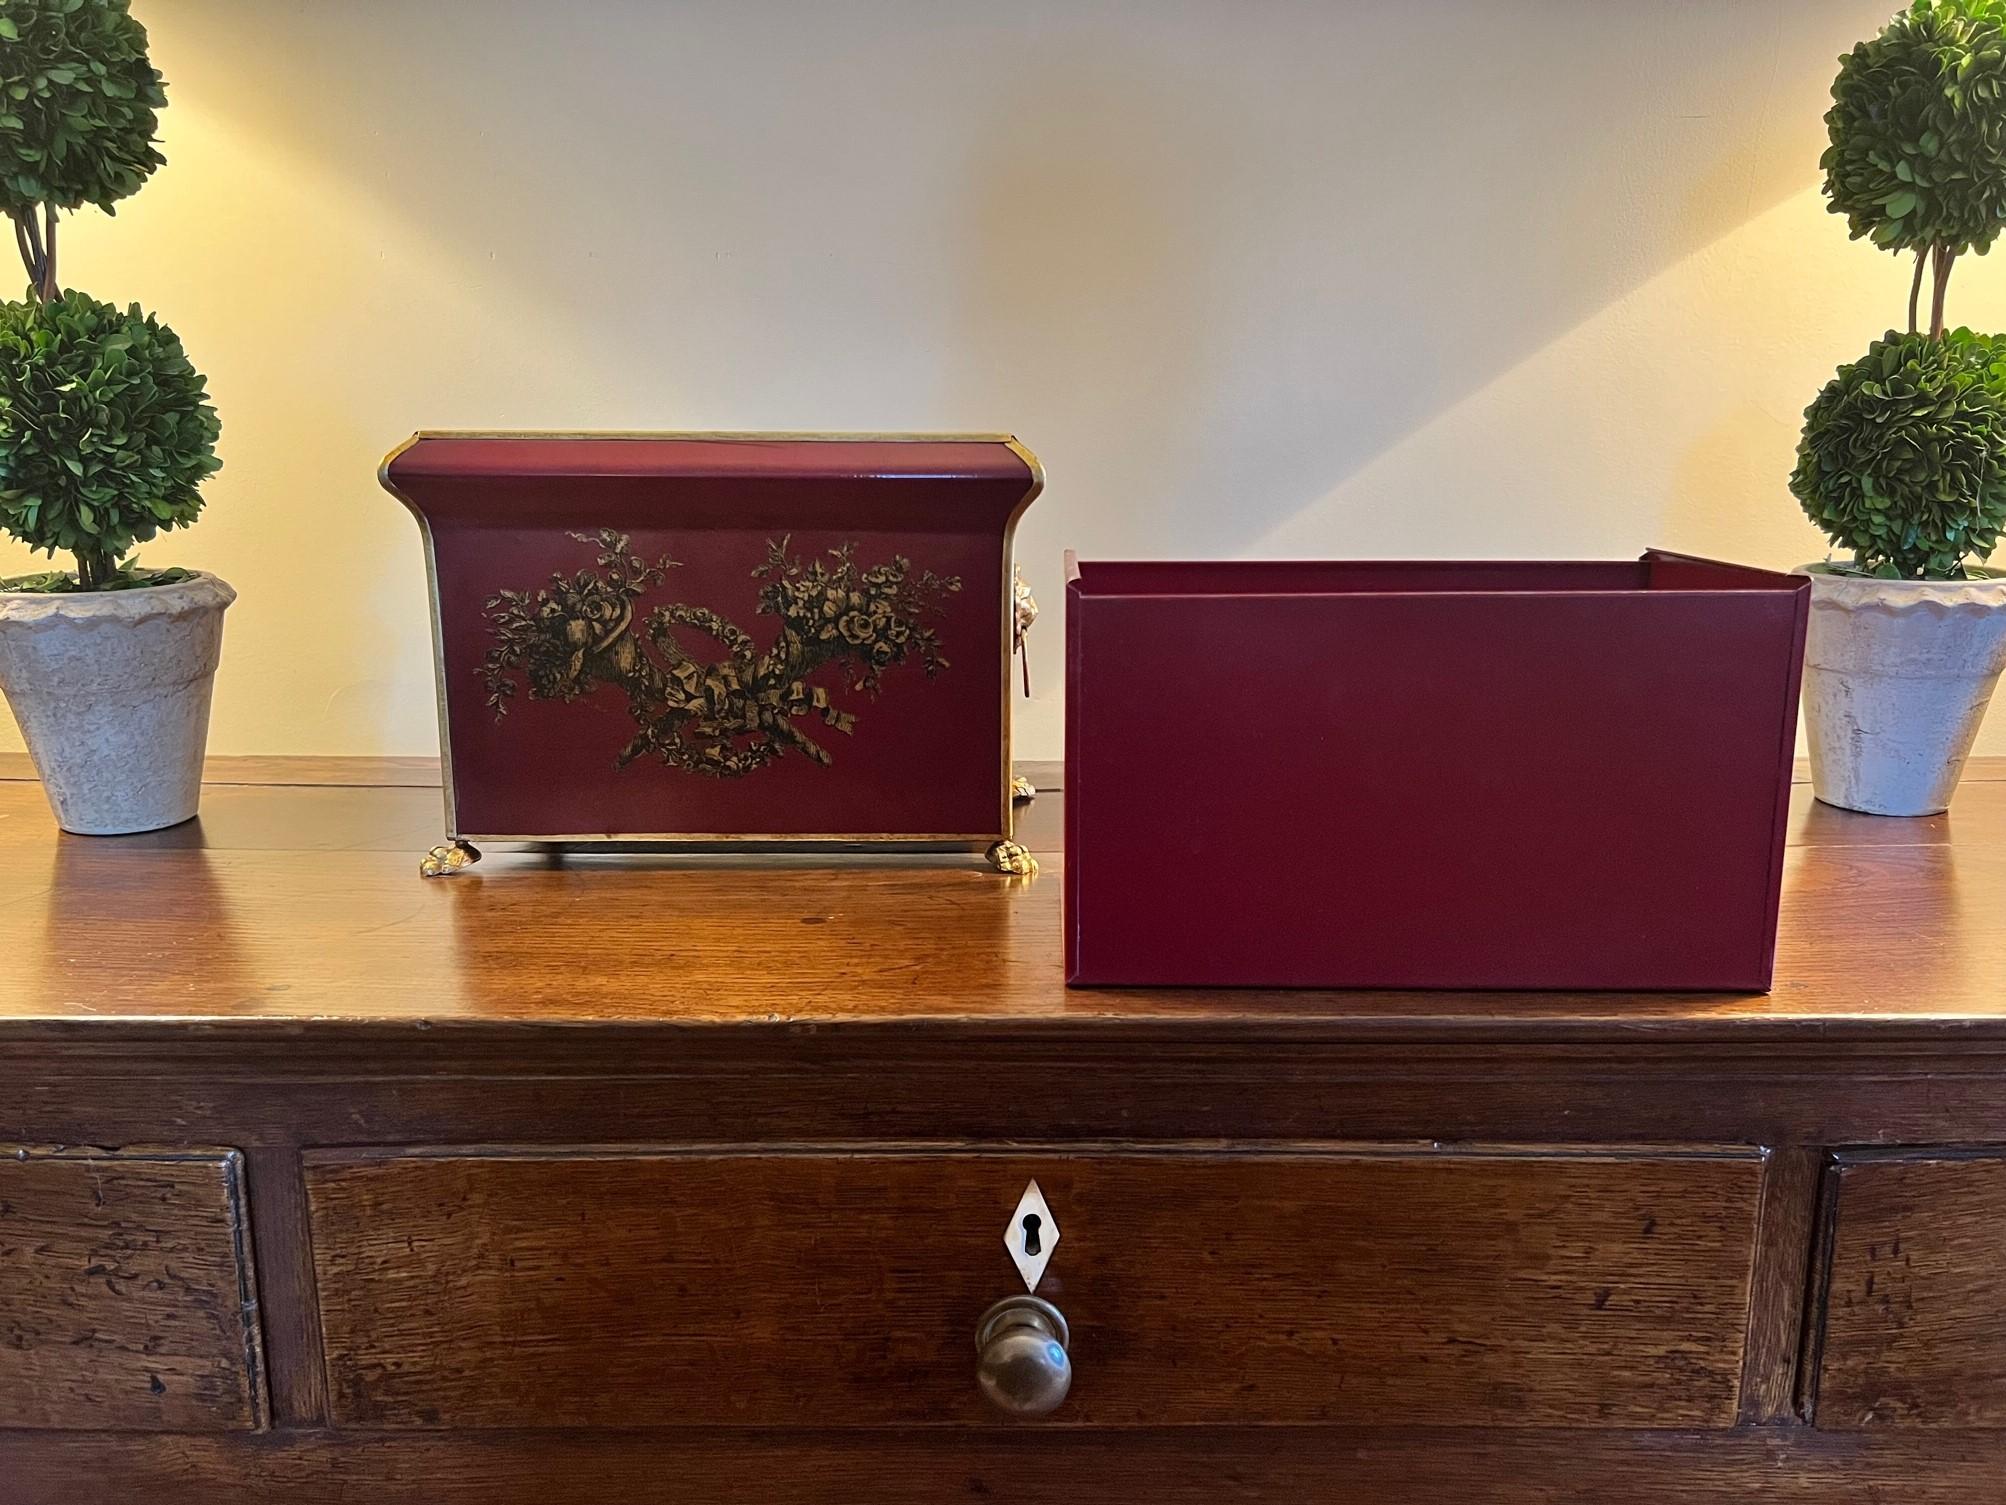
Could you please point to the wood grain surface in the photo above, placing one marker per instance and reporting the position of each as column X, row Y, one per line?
column 363, row 771
column 301, row 903
column 350, row 772
column 286, row 985
column 1915, row 1305
column 382, row 771
column 1455, row 1288
column 126, row 1294
column 1780, row 1284
column 1041, row 1464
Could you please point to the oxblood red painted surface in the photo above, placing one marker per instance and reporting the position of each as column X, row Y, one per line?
column 926, row 758
column 1493, row 775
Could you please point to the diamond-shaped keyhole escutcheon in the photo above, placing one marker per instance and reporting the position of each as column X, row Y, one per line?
column 1032, row 1236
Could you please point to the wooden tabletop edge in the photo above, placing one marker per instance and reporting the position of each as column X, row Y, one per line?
column 372, row 772
column 291, row 771
column 429, row 1037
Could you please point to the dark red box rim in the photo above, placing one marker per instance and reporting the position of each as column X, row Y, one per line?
column 1655, row 572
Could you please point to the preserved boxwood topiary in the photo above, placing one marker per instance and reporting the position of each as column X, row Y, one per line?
column 77, row 102
column 1903, row 456
column 1917, row 157
column 1903, row 459
column 105, row 427
column 105, row 433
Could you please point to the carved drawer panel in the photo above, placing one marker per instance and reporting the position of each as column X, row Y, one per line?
column 813, row 1288
column 126, row 1292
column 1915, row 1295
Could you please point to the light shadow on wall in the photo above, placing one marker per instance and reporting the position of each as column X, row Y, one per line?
column 1250, row 266
column 1211, row 259
column 1679, row 431
column 1215, row 261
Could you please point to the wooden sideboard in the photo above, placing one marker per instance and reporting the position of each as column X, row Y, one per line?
column 597, row 1179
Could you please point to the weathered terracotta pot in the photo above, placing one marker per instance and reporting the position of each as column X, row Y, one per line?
column 1897, row 675
column 112, row 692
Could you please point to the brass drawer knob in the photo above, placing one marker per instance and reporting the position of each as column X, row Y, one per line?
column 1024, row 1368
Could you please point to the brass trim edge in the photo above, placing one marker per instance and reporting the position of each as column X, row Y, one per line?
column 438, row 628
column 1037, row 469
column 727, row 436
column 944, row 841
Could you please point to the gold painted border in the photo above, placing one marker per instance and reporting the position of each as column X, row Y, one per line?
column 955, row 842
column 438, row 628
column 1022, row 452
column 721, row 436
column 1008, row 820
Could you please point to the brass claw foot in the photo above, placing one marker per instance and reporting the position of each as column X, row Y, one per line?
column 1022, row 789
column 448, row 858
column 1009, row 857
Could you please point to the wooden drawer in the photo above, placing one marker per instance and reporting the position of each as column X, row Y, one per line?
column 126, row 1295
column 819, row 1288
column 1915, row 1294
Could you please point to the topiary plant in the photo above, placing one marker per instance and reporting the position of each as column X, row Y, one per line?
column 77, row 102
column 1903, row 457
column 105, row 428
column 1918, row 159
column 105, row 431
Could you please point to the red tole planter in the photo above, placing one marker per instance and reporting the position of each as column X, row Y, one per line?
column 704, row 639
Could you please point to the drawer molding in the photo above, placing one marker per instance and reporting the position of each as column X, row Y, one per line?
column 1911, row 1291
column 129, row 1290
column 840, row 1286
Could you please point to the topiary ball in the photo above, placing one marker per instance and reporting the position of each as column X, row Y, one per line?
column 1903, row 459
column 77, row 102
column 105, row 428
column 1918, row 129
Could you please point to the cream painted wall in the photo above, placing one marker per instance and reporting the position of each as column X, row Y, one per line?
column 1254, row 277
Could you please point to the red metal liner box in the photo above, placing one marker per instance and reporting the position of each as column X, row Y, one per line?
column 1526, row 775
column 722, row 638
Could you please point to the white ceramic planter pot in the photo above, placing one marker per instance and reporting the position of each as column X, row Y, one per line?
column 112, row 692
column 1897, row 675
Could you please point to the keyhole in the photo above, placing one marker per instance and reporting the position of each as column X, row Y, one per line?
column 1031, row 1224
